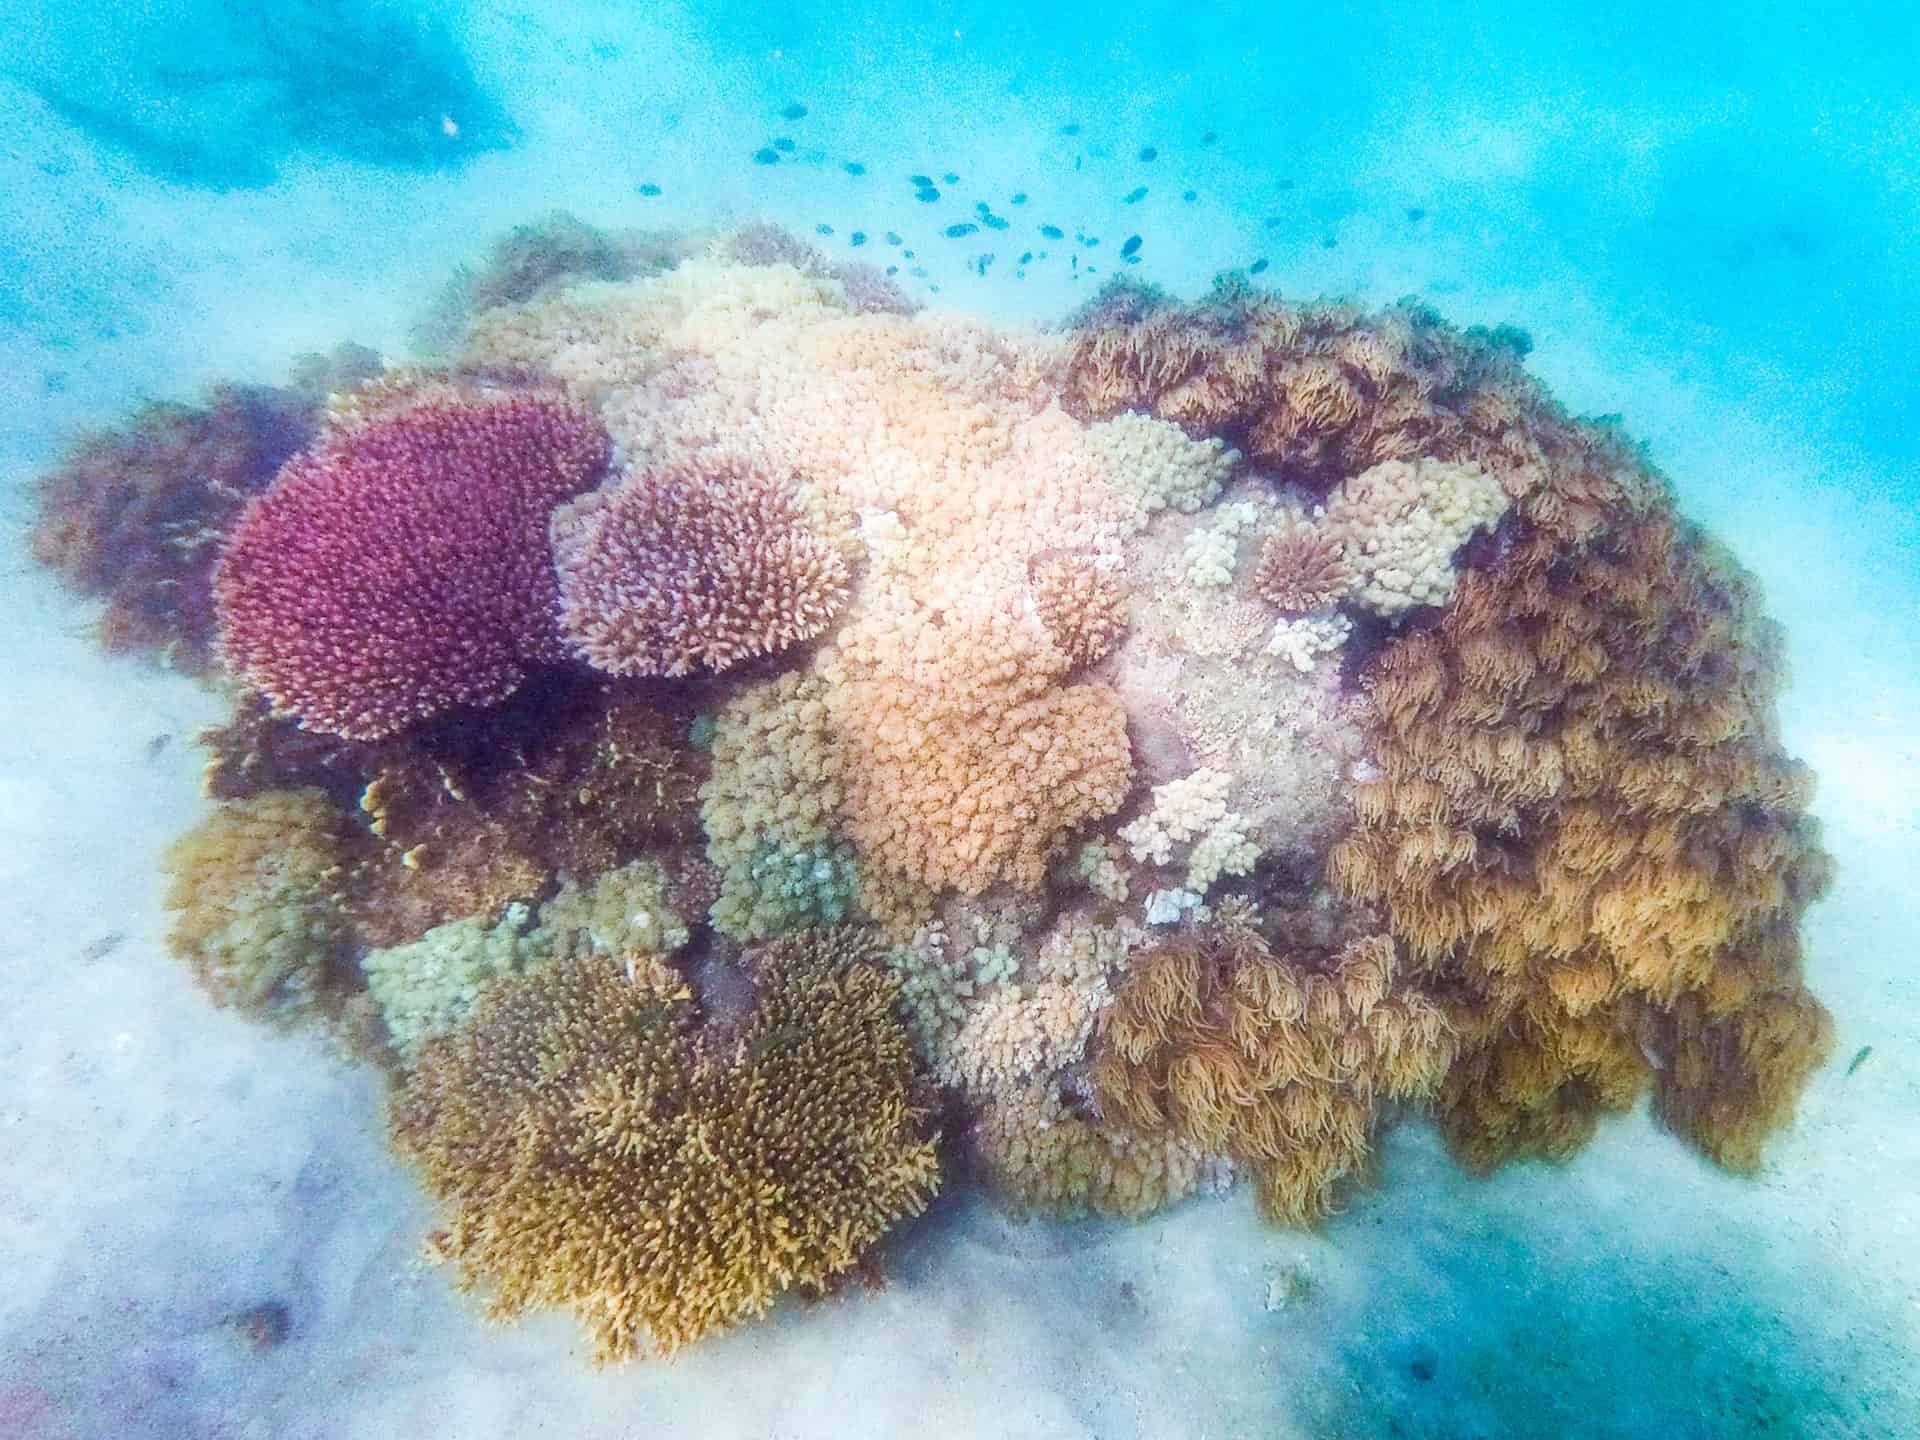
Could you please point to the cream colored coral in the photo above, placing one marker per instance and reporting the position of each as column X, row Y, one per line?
column 1021, row 1030
column 1301, row 640
column 1400, row 523
column 1161, row 465
column 427, row 987
column 623, row 912
column 1213, row 551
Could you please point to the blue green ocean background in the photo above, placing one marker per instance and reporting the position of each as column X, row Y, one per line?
column 1705, row 218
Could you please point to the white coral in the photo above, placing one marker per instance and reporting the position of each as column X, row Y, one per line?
column 1301, row 640
column 1401, row 523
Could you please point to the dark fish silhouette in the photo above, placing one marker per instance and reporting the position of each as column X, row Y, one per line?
column 649, row 189
column 1132, row 247
column 951, row 178
column 795, row 111
column 783, row 145
column 993, row 221
column 962, row 227
column 1209, row 137
column 892, row 239
column 823, row 229
column 854, row 167
column 1053, row 232
column 927, row 195
column 1073, row 129
column 1149, row 154
column 766, row 155
column 1257, row 267
column 1026, row 257
column 1415, row 214
column 1020, row 197
column 1136, row 195
column 921, row 182
column 858, row 237
column 1189, row 195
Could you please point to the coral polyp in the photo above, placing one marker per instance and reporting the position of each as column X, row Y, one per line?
column 730, row 732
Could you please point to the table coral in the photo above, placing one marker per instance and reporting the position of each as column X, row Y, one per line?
column 681, row 1175
column 400, row 568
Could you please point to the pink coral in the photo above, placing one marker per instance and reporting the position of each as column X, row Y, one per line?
column 401, row 566
column 699, row 562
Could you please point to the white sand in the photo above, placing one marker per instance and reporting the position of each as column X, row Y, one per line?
column 167, row 1165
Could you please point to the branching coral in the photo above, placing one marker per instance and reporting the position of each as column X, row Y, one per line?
column 1399, row 523
column 674, row 568
column 602, row 1151
column 1082, row 605
column 256, row 888
column 1269, row 1059
column 400, row 568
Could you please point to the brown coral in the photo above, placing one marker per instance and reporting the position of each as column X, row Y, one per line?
column 255, row 889
column 1080, row 603
column 136, row 515
column 1301, row 568
column 1276, row 1061
column 694, row 564
column 1586, row 825
column 601, row 1150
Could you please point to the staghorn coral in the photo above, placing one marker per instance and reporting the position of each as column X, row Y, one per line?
column 255, row 888
column 1584, row 823
column 677, row 568
column 599, row 1149
column 1301, row 567
column 400, row 568
column 1278, row 1063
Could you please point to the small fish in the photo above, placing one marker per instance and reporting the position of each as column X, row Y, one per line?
column 157, row 746
column 1189, row 195
column 1131, row 259
column 858, row 237
column 1257, row 267
column 1019, row 197
column 893, row 270
column 1272, row 222
column 906, row 255
column 1019, row 274
column 994, row 222
column 1132, row 247
column 649, row 190
column 1026, row 257
column 962, row 227
column 1089, row 241
column 892, row 239
column 1093, row 269
column 1148, row 154
column 766, row 155
column 926, row 196
column 1076, row 162
column 823, row 229
column 1209, row 137
column 1136, row 195
column 919, row 272
column 951, row 178
column 1073, row 129
column 981, row 208
column 1859, row 1058
column 980, row 265
column 1286, row 184
column 1329, row 242
column 1415, row 214
column 784, row 145
column 106, row 945
column 795, row 111
column 921, row 182
column 1053, row 232
column 854, row 167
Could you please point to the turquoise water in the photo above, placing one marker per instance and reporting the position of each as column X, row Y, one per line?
column 1704, row 221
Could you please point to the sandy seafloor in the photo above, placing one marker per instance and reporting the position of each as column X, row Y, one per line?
column 1711, row 232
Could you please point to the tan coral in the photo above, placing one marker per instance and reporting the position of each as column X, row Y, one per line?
column 1301, row 567
column 600, row 1150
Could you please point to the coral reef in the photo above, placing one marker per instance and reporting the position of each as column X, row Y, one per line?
column 400, row 568
column 600, row 1149
column 1163, row 865
column 255, row 889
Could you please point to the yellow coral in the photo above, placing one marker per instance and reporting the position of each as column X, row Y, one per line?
column 600, row 1150
column 256, row 892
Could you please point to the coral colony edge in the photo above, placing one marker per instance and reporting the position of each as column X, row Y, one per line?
column 736, row 749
